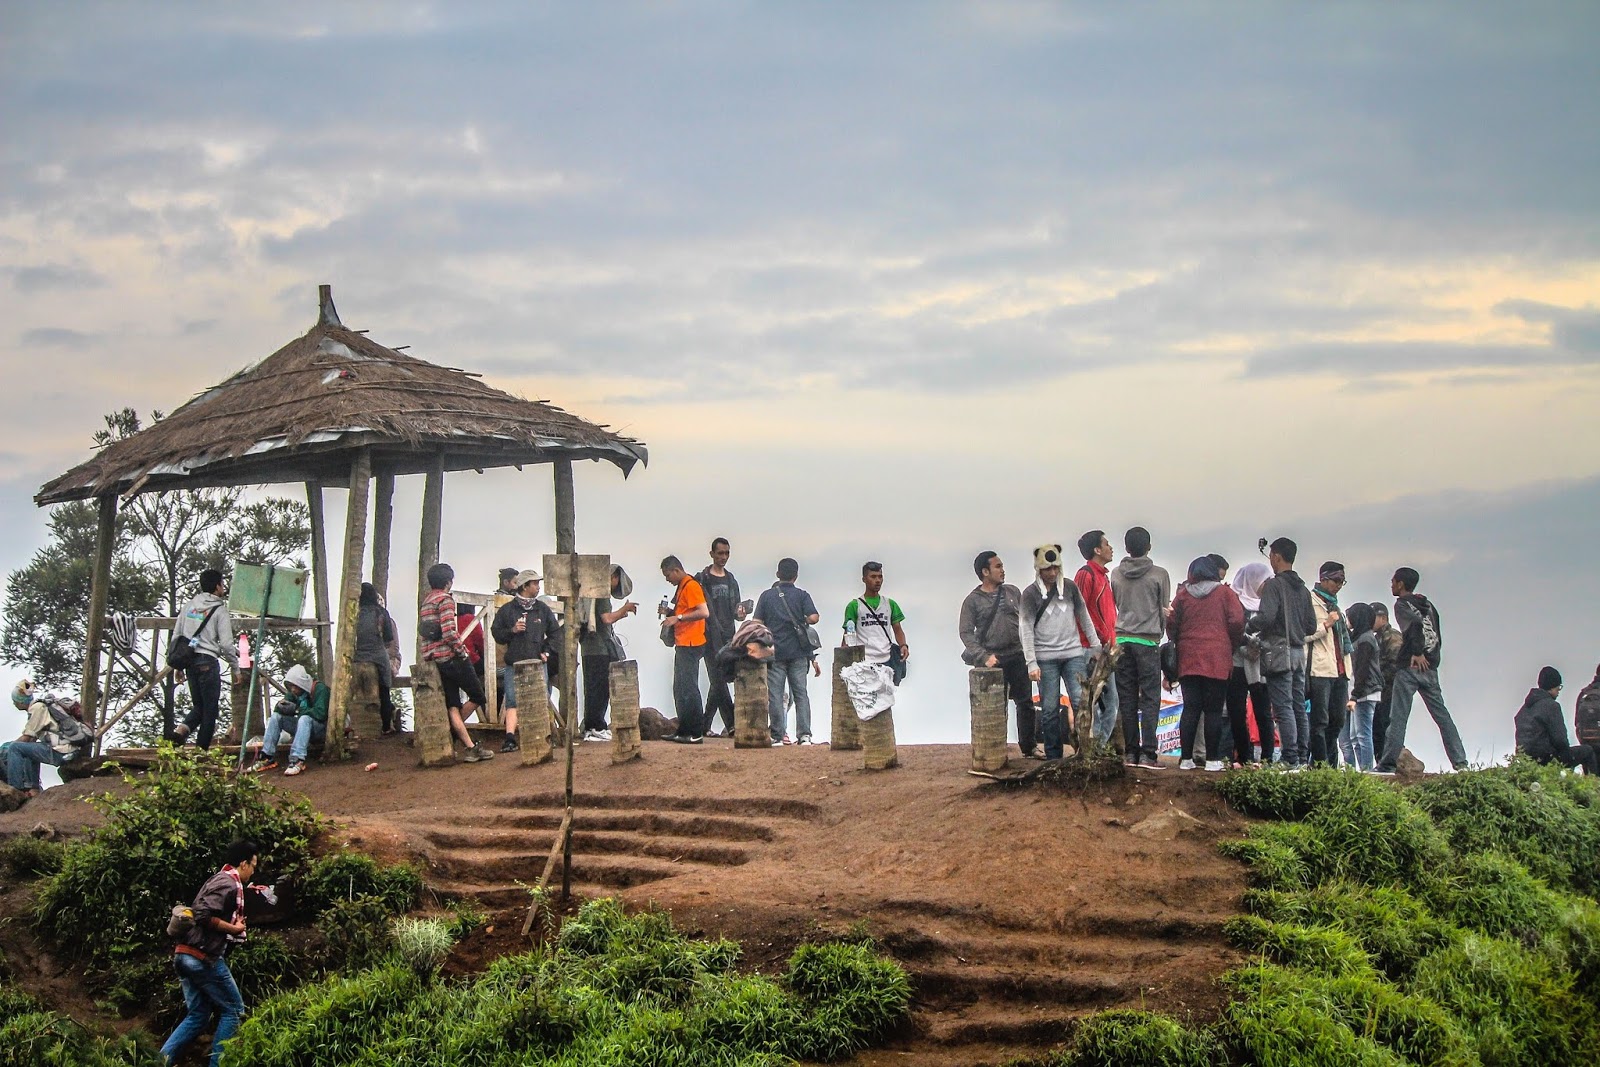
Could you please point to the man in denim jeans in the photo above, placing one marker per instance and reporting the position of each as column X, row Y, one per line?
column 1418, row 673
column 787, row 610
column 200, row 957
column 1053, row 619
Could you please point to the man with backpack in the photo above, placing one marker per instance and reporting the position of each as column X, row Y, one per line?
column 1542, row 730
column 788, row 611
column 1423, row 647
column 991, row 636
column 1054, row 619
column 1588, row 713
column 205, row 624
column 53, row 735
column 200, row 955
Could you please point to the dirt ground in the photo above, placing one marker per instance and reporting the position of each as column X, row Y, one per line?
column 1014, row 908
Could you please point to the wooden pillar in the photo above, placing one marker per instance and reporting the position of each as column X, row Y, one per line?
column 430, row 718
column 382, row 528
column 99, row 599
column 752, row 726
column 846, row 734
column 319, row 579
column 877, row 742
column 986, row 696
column 566, row 508
column 566, row 527
column 533, row 713
column 355, row 550
column 625, row 711
column 432, row 522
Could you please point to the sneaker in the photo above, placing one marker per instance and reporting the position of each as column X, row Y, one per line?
column 295, row 768
column 605, row 735
column 777, row 744
column 681, row 739
column 1186, row 765
column 266, row 763
column 1131, row 761
column 805, row 739
column 1298, row 768
column 181, row 731
column 1381, row 773
column 510, row 744
column 1215, row 765
column 1151, row 763
column 477, row 753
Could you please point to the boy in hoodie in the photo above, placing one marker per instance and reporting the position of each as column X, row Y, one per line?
column 303, row 714
column 991, row 636
column 1284, row 622
column 1142, row 592
column 1541, row 731
column 1420, row 655
column 1052, row 621
column 204, row 620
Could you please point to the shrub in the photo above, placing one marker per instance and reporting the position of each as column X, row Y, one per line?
column 262, row 966
column 1323, row 949
column 1137, row 1039
column 357, row 932
column 160, row 842
column 1274, row 854
column 1548, row 822
column 422, row 944
column 1495, row 895
column 856, row 994
column 325, row 1022
column 31, row 857
column 1512, row 1004
column 345, row 876
column 1392, row 926
column 31, row 1036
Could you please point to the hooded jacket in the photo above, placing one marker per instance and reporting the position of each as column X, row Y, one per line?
column 1142, row 591
column 1418, row 622
column 1058, row 635
column 215, row 638
column 1287, row 587
column 990, row 625
column 532, row 642
column 1207, row 624
column 1541, row 731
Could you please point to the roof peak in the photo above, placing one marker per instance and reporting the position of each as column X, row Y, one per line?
column 327, row 314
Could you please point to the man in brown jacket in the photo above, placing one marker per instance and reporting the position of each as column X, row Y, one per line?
column 200, row 956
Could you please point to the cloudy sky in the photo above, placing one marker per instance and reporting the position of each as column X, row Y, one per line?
column 890, row 281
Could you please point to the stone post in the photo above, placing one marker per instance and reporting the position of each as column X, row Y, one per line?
column 751, row 726
column 533, row 713
column 877, row 742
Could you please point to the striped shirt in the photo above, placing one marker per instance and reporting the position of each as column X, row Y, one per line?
column 438, row 615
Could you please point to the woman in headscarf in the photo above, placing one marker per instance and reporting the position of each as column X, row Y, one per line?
column 1366, row 688
column 1207, row 625
column 1247, row 688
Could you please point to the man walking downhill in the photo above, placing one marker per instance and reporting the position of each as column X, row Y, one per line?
column 686, row 614
column 1053, row 618
column 1284, row 622
column 1420, row 655
column 1142, row 591
column 727, row 612
column 787, row 611
column 991, row 636
column 1094, row 582
column 205, row 622
column 1328, row 660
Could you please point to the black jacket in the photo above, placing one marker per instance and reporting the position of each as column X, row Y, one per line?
column 1541, row 731
column 1418, row 622
column 536, row 640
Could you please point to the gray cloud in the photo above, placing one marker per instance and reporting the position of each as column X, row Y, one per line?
column 55, row 337
column 49, row 277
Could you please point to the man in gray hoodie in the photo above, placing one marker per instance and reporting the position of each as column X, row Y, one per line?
column 1142, row 591
column 204, row 620
column 1284, row 622
column 1053, row 621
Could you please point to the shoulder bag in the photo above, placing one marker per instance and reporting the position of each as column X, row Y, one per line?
column 181, row 652
column 1279, row 658
column 808, row 633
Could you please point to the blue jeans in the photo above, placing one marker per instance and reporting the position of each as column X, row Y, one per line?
column 304, row 728
column 24, row 759
column 1407, row 684
column 1355, row 741
column 686, row 690
column 1052, row 675
column 207, row 987
column 1288, row 692
column 793, row 673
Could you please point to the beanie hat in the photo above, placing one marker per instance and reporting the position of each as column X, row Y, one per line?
column 1047, row 556
column 22, row 695
column 300, row 678
column 1549, row 677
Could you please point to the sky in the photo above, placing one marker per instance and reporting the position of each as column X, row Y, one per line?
column 887, row 281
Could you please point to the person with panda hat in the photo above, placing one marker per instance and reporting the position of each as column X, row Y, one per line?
column 1053, row 621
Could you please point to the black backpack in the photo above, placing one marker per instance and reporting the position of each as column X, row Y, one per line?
column 1588, row 713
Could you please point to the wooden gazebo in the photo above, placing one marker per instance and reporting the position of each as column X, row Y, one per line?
column 335, row 408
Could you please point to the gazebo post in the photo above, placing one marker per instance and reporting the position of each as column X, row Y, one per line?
column 382, row 528
column 355, row 549
column 319, row 578
column 99, row 599
column 566, row 508
column 566, row 528
column 432, row 522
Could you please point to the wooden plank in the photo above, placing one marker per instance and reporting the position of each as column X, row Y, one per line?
column 319, row 575
column 549, row 865
column 99, row 598
column 355, row 550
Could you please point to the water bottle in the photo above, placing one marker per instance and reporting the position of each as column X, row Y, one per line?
column 850, row 627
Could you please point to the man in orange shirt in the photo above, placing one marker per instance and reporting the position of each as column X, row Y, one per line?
column 687, row 617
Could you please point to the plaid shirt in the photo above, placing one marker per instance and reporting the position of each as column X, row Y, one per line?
column 440, row 609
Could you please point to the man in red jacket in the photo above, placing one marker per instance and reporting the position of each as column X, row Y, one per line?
column 1094, row 582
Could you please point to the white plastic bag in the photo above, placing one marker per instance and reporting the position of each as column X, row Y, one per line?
column 871, row 687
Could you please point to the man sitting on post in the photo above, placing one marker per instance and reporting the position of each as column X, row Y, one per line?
column 526, row 626
column 441, row 646
column 991, row 636
column 303, row 715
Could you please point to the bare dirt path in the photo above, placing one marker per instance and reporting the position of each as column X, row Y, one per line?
column 1013, row 908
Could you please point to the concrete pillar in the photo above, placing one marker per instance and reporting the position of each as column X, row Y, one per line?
column 533, row 713
column 877, row 742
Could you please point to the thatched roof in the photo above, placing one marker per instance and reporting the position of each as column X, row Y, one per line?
column 298, row 415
